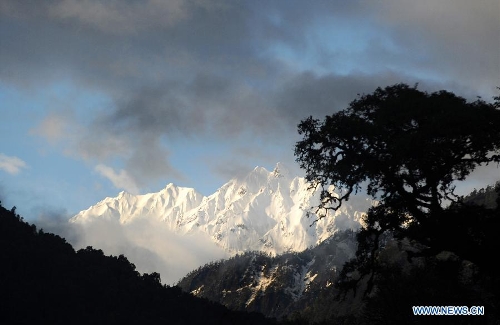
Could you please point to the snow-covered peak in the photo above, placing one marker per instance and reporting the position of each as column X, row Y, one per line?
column 265, row 210
column 260, row 178
column 165, row 205
column 281, row 171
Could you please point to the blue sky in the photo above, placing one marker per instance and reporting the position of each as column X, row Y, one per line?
column 103, row 96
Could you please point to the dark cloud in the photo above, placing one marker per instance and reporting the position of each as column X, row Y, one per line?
column 456, row 39
column 175, row 40
column 155, row 109
column 224, row 71
column 149, row 160
column 309, row 94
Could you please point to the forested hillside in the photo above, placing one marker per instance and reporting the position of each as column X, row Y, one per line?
column 275, row 286
column 43, row 280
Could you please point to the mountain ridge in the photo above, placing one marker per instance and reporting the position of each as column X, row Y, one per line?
column 264, row 211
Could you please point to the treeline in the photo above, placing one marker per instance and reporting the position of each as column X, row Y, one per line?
column 485, row 196
column 43, row 280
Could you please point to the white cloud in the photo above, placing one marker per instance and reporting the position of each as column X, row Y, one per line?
column 11, row 165
column 149, row 245
column 121, row 179
column 53, row 128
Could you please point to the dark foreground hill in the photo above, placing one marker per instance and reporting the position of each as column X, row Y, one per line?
column 43, row 280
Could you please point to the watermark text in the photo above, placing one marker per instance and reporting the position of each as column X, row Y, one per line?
column 448, row 310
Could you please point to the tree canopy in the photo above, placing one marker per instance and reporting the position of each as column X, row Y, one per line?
column 407, row 148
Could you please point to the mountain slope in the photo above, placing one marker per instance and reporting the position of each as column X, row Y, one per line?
column 264, row 211
column 275, row 286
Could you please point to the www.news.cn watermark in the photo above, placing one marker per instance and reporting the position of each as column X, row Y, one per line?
column 448, row 310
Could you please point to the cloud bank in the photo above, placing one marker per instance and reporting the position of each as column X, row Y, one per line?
column 206, row 71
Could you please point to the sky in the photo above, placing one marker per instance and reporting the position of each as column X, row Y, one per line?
column 103, row 96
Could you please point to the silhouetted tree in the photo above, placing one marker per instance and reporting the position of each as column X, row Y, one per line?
column 407, row 147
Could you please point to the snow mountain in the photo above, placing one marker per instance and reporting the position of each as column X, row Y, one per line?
column 263, row 211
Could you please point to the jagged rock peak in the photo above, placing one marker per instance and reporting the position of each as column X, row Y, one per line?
column 280, row 171
column 265, row 211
